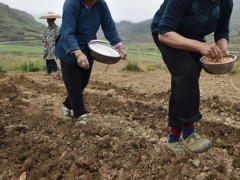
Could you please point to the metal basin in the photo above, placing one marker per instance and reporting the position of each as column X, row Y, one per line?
column 218, row 68
column 103, row 52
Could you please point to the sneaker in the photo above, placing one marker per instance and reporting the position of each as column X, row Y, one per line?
column 81, row 120
column 66, row 113
column 175, row 148
column 54, row 73
column 196, row 143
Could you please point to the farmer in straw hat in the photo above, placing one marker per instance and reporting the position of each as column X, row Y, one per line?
column 49, row 38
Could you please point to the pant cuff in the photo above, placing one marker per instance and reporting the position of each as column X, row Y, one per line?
column 191, row 119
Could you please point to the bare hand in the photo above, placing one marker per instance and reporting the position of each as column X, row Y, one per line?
column 122, row 52
column 225, row 52
column 211, row 50
column 83, row 61
column 223, row 46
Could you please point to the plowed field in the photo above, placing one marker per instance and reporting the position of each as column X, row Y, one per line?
column 126, row 131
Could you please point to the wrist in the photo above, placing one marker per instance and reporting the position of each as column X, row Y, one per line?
column 78, row 54
column 121, row 47
column 198, row 46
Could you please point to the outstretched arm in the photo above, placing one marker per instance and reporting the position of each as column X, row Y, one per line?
column 177, row 41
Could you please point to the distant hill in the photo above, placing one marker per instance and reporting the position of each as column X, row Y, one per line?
column 135, row 32
column 18, row 25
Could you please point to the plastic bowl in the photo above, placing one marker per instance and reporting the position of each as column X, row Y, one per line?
column 218, row 68
column 103, row 52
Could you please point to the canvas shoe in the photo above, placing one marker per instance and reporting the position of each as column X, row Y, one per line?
column 195, row 143
column 175, row 148
column 66, row 113
column 54, row 74
column 81, row 121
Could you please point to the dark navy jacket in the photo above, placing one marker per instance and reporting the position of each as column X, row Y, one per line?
column 80, row 25
column 194, row 19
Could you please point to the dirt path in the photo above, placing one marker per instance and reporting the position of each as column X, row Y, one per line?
column 126, row 131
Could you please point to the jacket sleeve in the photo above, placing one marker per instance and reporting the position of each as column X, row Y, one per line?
column 172, row 17
column 44, row 37
column 108, row 25
column 56, row 32
column 71, row 10
column 222, row 30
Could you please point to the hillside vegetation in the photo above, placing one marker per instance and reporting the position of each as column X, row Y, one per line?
column 18, row 25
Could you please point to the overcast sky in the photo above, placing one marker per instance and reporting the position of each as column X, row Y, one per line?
column 131, row 10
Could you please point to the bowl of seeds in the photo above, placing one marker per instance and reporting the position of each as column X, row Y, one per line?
column 218, row 66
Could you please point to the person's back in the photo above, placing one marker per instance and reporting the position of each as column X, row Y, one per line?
column 193, row 19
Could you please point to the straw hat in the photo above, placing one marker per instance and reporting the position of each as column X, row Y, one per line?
column 50, row 15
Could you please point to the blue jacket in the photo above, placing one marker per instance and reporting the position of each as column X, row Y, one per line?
column 194, row 19
column 80, row 25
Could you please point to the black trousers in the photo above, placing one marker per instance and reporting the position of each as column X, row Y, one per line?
column 76, row 79
column 51, row 65
column 185, row 69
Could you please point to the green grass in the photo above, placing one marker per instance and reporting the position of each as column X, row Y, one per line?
column 30, row 49
column 22, row 56
column 236, row 69
column 2, row 67
column 30, row 66
column 132, row 65
column 144, row 52
column 156, row 67
column 29, row 54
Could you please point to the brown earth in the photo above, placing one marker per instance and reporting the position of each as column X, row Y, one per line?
column 126, row 131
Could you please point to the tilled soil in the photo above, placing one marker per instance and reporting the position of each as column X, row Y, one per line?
column 127, row 128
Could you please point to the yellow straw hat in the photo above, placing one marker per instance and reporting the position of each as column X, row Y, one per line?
column 50, row 15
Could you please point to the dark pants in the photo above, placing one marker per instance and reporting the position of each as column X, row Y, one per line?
column 75, row 79
column 185, row 69
column 51, row 65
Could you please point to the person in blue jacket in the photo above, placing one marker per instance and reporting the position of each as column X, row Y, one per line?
column 81, row 20
column 179, row 28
